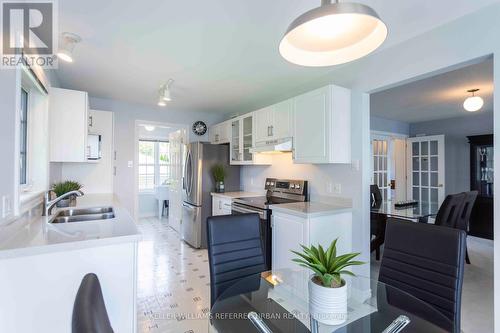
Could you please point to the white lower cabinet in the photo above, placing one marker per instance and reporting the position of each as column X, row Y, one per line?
column 289, row 231
column 221, row 205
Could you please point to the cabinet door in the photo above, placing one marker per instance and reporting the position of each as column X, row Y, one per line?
column 311, row 120
column 282, row 120
column 235, row 141
column 68, row 119
column 246, row 138
column 263, row 124
column 288, row 234
column 215, row 134
column 216, row 206
column 225, row 132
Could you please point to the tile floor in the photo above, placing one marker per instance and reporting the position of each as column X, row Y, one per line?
column 477, row 290
column 173, row 282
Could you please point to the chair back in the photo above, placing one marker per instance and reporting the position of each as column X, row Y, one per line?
column 234, row 250
column 89, row 310
column 466, row 211
column 450, row 210
column 426, row 261
column 375, row 196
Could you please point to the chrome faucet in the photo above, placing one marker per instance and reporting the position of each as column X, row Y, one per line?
column 49, row 204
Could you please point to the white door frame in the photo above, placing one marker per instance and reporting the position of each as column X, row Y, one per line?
column 441, row 164
column 136, row 155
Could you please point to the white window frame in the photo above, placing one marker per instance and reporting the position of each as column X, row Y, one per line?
column 27, row 185
column 156, row 165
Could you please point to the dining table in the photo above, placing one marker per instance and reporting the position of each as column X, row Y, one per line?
column 277, row 302
column 421, row 211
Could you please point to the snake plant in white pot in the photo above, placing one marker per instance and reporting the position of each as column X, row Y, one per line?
column 327, row 288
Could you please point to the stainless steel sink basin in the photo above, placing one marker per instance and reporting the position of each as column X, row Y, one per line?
column 84, row 214
column 85, row 211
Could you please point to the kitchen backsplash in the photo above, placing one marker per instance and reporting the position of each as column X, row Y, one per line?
column 322, row 178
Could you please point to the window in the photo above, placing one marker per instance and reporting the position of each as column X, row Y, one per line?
column 23, row 151
column 154, row 164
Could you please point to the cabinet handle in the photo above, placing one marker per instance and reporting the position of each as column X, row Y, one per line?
column 269, row 131
column 220, row 204
column 272, row 130
column 91, row 121
column 216, row 137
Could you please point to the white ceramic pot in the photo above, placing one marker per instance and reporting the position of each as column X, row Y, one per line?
column 328, row 305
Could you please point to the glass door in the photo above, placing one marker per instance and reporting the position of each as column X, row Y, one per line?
column 235, row 141
column 426, row 171
column 381, row 167
column 247, row 139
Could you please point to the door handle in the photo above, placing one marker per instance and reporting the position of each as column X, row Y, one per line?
column 269, row 131
column 440, row 185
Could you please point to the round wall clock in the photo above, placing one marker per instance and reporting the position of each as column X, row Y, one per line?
column 199, row 128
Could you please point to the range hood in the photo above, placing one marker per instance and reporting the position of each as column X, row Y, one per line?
column 279, row 145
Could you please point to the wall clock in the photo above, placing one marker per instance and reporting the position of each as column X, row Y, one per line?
column 199, row 128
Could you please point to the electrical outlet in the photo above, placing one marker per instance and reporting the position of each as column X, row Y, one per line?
column 337, row 189
column 329, row 187
column 6, row 206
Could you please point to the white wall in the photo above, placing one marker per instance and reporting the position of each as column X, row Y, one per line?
column 95, row 177
column 125, row 115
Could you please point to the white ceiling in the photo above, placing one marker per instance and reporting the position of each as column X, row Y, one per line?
column 223, row 54
column 437, row 97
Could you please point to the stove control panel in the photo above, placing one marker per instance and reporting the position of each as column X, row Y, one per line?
column 286, row 186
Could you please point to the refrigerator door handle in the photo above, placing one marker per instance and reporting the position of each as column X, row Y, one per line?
column 188, row 177
column 187, row 206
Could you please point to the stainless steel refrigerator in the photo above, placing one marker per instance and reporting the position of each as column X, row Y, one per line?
column 198, row 183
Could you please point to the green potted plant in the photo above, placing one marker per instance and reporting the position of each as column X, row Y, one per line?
column 219, row 173
column 327, row 288
column 65, row 187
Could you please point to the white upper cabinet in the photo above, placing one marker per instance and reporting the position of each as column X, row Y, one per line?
column 242, row 140
column 68, row 123
column 274, row 122
column 220, row 133
column 322, row 126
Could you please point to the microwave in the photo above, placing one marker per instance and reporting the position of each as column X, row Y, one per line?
column 93, row 147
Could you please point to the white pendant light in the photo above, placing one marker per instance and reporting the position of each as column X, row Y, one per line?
column 68, row 43
column 473, row 103
column 149, row 128
column 333, row 34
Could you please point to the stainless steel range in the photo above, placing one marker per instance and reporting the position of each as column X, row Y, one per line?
column 279, row 191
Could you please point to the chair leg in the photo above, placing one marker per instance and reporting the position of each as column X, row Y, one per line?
column 467, row 260
column 377, row 253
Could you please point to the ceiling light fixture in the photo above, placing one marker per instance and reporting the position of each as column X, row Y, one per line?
column 333, row 34
column 164, row 93
column 473, row 103
column 68, row 43
column 149, row 128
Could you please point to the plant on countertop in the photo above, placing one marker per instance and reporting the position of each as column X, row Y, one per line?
column 327, row 266
column 65, row 187
column 219, row 172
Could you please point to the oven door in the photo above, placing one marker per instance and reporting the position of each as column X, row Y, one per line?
column 265, row 227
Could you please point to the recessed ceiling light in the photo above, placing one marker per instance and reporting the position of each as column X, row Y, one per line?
column 149, row 128
column 473, row 103
column 68, row 43
column 333, row 34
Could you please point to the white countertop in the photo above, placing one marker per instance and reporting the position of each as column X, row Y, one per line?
column 312, row 209
column 38, row 236
column 233, row 195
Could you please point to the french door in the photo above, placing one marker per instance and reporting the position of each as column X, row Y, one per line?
column 425, row 160
column 381, row 165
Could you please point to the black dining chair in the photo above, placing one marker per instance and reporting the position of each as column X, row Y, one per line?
column 464, row 216
column 89, row 310
column 426, row 261
column 234, row 251
column 450, row 210
column 377, row 222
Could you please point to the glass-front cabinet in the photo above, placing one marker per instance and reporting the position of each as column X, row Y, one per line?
column 481, row 180
column 242, row 141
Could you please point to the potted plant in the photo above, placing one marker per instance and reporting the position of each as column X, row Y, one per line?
column 219, row 173
column 327, row 288
column 65, row 187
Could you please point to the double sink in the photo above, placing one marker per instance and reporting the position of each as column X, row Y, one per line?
column 84, row 214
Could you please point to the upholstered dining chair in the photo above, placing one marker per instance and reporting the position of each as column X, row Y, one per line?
column 450, row 210
column 89, row 310
column 234, row 251
column 464, row 216
column 426, row 261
